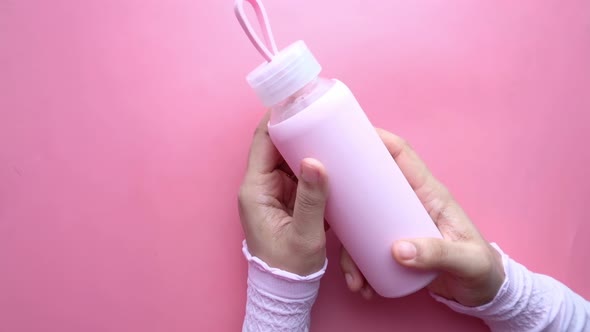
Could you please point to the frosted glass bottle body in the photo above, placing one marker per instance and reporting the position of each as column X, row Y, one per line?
column 371, row 204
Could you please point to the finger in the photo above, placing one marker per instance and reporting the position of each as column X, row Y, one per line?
column 433, row 194
column 438, row 254
column 352, row 275
column 413, row 168
column 264, row 156
column 310, row 202
column 367, row 292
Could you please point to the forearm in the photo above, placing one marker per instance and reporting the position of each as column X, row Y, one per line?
column 278, row 300
column 529, row 301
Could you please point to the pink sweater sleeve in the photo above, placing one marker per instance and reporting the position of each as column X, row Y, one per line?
column 529, row 301
column 278, row 300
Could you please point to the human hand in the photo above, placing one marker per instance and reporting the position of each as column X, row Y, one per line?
column 282, row 218
column 471, row 270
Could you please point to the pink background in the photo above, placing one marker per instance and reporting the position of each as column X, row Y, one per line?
column 125, row 125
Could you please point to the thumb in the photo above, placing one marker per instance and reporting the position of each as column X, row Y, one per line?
column 435, row 254
column 312, row 193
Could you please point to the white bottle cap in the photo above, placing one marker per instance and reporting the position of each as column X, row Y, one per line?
column 286, row 73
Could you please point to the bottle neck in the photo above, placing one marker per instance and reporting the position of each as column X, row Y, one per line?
column 300, row 100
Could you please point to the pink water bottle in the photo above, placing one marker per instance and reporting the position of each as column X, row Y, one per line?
column 370, row 204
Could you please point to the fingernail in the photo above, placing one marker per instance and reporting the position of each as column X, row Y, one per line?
column 349, row 279
column 309, row 173
column 405, row 250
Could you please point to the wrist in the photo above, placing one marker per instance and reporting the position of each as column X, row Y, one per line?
column 492, row 282
column 298, row 257
column 496, row 295
column 479, row 282
column 280, row 282
column 497, row 274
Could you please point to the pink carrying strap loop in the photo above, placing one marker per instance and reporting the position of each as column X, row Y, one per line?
column 264, row 25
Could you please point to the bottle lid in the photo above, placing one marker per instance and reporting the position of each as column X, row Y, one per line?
column 284, row 72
